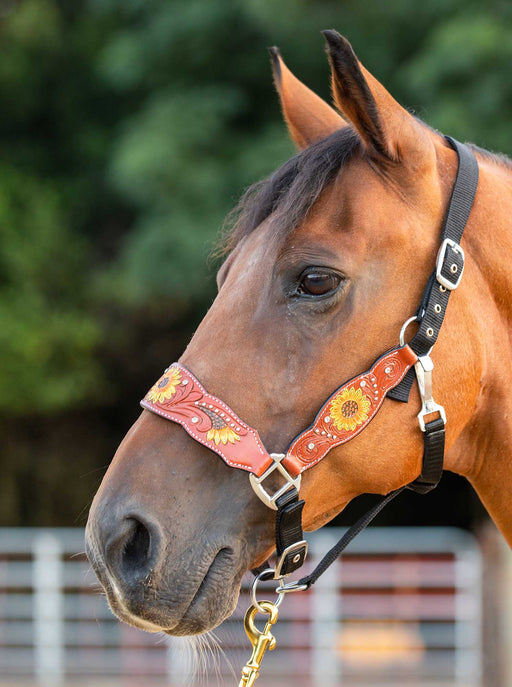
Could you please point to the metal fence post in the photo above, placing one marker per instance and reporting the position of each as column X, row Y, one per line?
column 468, row 618
column 48, row 621
column 326, row 613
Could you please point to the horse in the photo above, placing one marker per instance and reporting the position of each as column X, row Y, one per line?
column 325, row 261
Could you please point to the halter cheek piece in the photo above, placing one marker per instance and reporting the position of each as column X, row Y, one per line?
column 178, row 396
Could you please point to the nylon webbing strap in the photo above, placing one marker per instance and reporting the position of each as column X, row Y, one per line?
column 433, row 457
column 446, row 276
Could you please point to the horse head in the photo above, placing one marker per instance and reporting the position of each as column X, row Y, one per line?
column 326, row 260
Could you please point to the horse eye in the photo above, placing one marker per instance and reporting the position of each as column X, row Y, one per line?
column 318, row 283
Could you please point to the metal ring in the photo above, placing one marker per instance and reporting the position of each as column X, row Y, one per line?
column 280, row 595
column 291, row 587
column 414, row 318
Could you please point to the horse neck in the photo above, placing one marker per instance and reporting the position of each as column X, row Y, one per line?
column 483, row 450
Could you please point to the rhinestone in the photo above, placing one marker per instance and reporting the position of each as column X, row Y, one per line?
column 204, row 405
column 185, row 382
column 210, row 406
column 387, row 370
column 311, row 446
column 322, row 433
column 238, row 429
column 317, row 431
column 375, row 385
column 328, row 435
column 222, row 414
column 196, row 403
column 327, row 418
column 232, row 424
column 334, row 436
column 363, row 383
column 194, row 419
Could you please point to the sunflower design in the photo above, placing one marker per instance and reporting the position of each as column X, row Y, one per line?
column 224, row 434
column 349, row 409
column 165, row 388
column 219, row 431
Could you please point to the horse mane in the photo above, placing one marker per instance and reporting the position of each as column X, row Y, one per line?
column 499, row 158
column 290, row 192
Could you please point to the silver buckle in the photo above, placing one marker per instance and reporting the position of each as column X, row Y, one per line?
column 424, row 368
column 256, row 482
column 450, row 285
column 298, row 546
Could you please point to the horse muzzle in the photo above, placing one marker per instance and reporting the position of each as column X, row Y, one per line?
column 155, row 586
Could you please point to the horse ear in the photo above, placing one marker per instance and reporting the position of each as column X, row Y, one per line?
column 386, row 128
column 309, row 118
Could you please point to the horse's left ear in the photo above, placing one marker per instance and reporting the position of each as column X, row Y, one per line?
column 386, row 128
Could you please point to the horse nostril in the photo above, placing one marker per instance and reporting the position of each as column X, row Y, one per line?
column 132, row 550
column 135, row 555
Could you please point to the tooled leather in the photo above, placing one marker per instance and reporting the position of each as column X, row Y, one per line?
column 207, row 419
column 349, row 410
column 178, row 396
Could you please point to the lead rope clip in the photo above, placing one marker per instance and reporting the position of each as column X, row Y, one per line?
column 260, row 640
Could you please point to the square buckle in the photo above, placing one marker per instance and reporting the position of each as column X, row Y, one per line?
column 256, row 482
column 441, row 257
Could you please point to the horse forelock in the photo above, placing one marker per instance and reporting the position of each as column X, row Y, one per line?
column 291, row 191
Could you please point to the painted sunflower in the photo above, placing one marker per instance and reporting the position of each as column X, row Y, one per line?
column 165, row 388
column 224, row 434
column 349, row 409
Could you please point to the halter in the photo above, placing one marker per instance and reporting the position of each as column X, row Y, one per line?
column 179, row 396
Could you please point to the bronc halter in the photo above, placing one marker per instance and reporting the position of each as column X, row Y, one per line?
column 178, row 396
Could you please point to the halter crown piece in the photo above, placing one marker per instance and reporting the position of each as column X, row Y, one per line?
column 178, row 396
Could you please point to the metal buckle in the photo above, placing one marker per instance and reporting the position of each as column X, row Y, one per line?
column 450, row 285
column 256, row 482
column 424, row 368
column 298, row 546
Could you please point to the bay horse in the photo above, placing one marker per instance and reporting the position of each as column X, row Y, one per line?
column 326, row 260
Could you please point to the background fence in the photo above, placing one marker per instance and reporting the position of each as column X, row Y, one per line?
column 402, row 608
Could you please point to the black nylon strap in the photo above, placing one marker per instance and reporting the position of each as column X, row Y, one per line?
column 289, row 531
column 434, row 302
column 433, row 457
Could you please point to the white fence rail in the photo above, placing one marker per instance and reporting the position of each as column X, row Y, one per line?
column 402, row 608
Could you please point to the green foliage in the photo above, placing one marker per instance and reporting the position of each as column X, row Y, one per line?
column 128, row 129
column 47, row 336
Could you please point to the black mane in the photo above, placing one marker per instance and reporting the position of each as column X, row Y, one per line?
column 290, row 192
